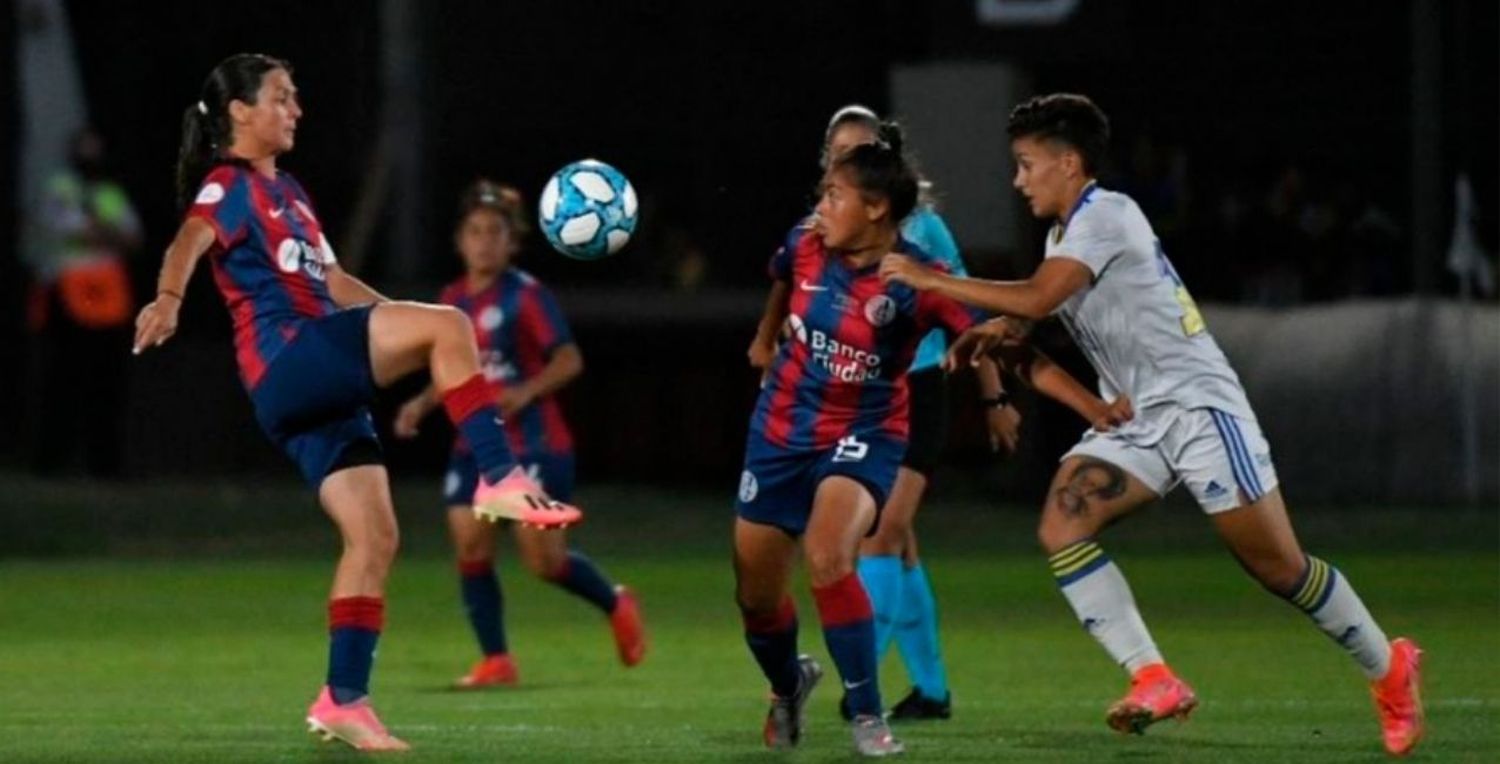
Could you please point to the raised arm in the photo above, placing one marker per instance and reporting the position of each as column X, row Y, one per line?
column 1055, row 280
column 157, row 321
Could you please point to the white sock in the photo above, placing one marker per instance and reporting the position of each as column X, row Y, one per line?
column 1101, row 599
column 1329, row 599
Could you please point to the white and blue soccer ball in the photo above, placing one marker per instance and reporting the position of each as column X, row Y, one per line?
column 588, row 210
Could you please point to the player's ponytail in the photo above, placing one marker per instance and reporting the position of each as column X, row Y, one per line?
column 206, row 129
column 880, row 171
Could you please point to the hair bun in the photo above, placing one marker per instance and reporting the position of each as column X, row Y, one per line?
column 891, row 134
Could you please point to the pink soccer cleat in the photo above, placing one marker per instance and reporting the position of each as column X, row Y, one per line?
column 1155, row 694
column 355, row 724
column 517, row 497
column 1398, row 698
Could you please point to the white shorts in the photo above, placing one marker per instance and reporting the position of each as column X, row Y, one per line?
column 1224, row 460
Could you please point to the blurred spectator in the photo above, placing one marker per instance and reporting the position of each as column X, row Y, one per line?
column 80, row 309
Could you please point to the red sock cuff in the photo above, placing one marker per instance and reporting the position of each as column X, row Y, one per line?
column 473, row 568
column 842, row 602
column 471, row 395
column 356, row 612
column 781, row 620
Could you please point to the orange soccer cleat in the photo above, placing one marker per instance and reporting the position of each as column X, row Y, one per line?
column 629, row 629
column 353, row 723
column 517, row 497
column 493, row 671
column 1398, row 698
column 1155, row 694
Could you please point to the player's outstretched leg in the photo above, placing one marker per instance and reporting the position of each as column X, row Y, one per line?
column 406, row 337
column 359, row 501
column 547, row 555
column 1261, row 537
column 1085, row 496
column 843, row 511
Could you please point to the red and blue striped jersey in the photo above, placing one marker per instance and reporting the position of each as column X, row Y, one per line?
column 841, row 369
column 518, row 326
column 269, row 258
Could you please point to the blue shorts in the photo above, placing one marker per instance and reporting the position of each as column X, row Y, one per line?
column 778, row 485
column 313, row 400
column 553, row 471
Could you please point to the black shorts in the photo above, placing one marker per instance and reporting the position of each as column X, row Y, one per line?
column 929, row 420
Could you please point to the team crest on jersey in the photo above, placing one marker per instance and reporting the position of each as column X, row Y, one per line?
column 211, row 193
column 490, row 318
column 880, row 310
column 294, row 255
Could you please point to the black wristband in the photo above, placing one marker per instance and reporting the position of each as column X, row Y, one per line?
column 1000, row 401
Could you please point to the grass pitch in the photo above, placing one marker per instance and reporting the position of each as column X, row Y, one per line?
column 135, row 656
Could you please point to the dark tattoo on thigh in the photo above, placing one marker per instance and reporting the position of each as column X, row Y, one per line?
column 1091, row 479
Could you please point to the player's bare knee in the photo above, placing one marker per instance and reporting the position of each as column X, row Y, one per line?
column 757, row 601
column 383, row 545
column 453, row 323
column 825, row 566
column 1058, row 529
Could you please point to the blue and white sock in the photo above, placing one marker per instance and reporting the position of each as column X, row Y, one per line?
column 1101, row 599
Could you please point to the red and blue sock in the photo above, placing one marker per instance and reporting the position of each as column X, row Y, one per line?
column 472, row 409
column 772, row 638
column 484, row 603
column 580, row 576
column 354, row 625
column 849, row 630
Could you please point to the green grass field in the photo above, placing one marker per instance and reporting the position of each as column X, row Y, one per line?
column 211, row 654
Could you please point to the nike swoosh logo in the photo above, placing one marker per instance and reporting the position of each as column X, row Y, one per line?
column 275, row 214
column 806, row 287
column 856, row 685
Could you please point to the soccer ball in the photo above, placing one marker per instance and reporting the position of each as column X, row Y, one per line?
column 588, row 210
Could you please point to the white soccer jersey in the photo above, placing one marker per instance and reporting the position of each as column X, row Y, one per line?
column 1136, row 322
